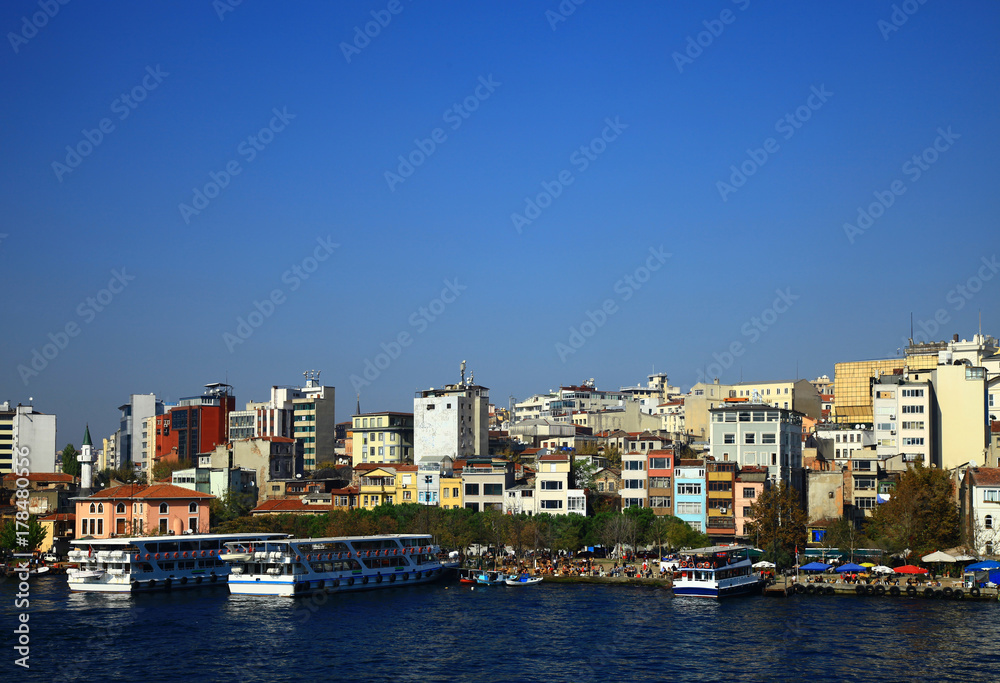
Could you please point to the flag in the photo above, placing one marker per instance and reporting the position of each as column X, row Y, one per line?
column 90, row 551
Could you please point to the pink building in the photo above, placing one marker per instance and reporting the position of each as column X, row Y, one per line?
column 136, row 510
column 749, row 485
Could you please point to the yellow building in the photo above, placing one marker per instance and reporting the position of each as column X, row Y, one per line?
column 385, row 437
column 450, row 494
column 386, row 484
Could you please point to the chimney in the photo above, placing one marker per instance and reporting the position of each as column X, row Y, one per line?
column 954, row 337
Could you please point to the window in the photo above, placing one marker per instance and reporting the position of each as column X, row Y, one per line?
column 93, row 509
column 120, row 508
column 406, row 495
column 910, row 410
column 865, row 503
column 913, row 441
column 472, row 489
column 988, row 522
column 454, row 492
column 767, row 438
column 750, row 493
column 600, row 486
column 914, row 425
column 163, row 508
column 551, row 504
column 720, row 486
column 729, row 438
column 430, row 406
column 746, row 511
column 689, row 489
column 193, row 524
column 493, row 489
column 864, row 483
column 991, row 496
column 659, row 463
column 635, row 465
column 163, row 526
column 552, row 486
column 750, row 438
column 634, row 483
column 193, row 508
column 688, row 508
column 659, row 501
column 659, row 482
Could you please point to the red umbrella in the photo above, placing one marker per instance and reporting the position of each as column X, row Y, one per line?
column 910, row 569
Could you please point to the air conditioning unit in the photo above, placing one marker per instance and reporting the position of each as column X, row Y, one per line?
column 892, row 417
column 723, row 511
column 893, row 432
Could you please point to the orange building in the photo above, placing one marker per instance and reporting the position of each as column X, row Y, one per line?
column 137, row 510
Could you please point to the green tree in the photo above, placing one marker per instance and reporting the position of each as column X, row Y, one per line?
column 9, row 537
column 845, row 536
column 70, row 465
column 921, row 515
column 779, row 523
column 232, row 504
column 583, row 474
column 163, row 469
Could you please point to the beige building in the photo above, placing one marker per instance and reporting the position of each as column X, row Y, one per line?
column 382, row 437
column 628, row 417
column 961, row 429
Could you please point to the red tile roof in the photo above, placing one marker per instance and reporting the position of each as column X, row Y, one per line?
column 555, row 457
column 50, row 477
column 58, row 517
column 156, row 491
column 986, row 476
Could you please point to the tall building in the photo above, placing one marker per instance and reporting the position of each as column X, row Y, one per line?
column 302, row 413
column 904, row 419
column 139, row 408
column 6, row 438
column 382, row 437
column 196, row 425
column 35, row 432
column 452, row 421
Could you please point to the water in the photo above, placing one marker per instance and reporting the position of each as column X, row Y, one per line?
column 448, row 632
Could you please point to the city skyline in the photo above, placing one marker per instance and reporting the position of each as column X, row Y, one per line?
column 239, row 193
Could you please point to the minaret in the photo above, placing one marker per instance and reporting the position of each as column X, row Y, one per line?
column 86, row 460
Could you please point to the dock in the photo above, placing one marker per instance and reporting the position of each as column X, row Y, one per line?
column 788, row 587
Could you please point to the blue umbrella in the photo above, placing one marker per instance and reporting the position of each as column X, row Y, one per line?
column 987, row 564
column 851, row 567
column 814, row 567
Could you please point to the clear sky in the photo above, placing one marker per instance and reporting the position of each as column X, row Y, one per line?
column 673, row 168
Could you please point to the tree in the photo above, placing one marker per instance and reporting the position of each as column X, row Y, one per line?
column 614, row 456
column 583, row 473
column 845, row 536
column 231, row 505
column 779, row 523
column 70, row 465
column 163, row 469
column 9, row 538
column 921, row 515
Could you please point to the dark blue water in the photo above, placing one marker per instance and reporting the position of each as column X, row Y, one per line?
column 541, row 633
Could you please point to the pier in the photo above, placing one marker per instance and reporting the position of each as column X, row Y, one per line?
column 948, row 590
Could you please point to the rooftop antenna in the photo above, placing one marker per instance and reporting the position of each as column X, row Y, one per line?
column 911, row 328
column 462, row 367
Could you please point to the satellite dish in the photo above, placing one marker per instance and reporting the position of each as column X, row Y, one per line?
column 857, row 426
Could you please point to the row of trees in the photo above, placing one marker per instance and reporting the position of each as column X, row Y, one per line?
column 461, row 528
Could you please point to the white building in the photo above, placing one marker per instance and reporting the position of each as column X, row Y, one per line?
column 453, row 421
column 980, row 509
column 132, row 444
column 553, row 494
column 635, row 480
column 904, row 419
column 758, row 435
column 37, row 433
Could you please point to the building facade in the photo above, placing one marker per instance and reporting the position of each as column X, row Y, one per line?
column 453, row 421
column 382, row 437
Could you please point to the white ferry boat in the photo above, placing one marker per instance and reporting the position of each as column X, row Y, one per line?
column 716, row 572
column 142, row 563
column 300, row 566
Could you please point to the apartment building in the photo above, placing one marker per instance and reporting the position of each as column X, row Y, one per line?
column 383, row 437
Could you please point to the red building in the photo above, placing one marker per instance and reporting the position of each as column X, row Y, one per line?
column 660, row 469
column 197, row 425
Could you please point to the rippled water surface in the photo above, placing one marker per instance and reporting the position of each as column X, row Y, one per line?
column 545, row 632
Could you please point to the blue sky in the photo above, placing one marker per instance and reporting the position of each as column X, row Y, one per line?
column 863, row 99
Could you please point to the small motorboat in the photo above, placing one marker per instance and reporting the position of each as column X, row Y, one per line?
column 523, row 580
column 491, row 578
column 39, row 570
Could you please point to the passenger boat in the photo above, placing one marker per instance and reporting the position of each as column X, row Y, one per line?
column 523, row 580
column 144, row 563
column 716, row 572
column 300, row 566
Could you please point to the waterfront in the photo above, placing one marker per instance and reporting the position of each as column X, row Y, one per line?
column 448, row 632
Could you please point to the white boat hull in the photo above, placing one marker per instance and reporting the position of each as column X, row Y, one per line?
column 319, row 583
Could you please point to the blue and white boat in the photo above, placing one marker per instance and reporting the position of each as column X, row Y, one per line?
column 151, row 563
column 717, row 572
column 300, row 566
